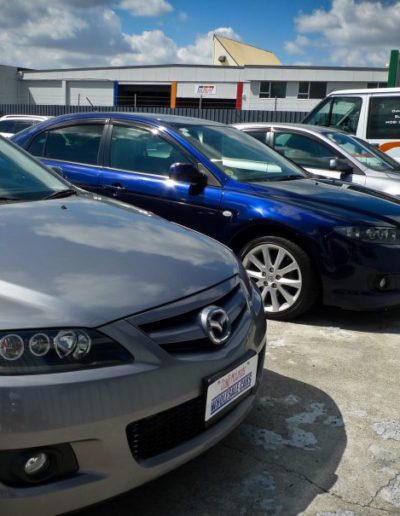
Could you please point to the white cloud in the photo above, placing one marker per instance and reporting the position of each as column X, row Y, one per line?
column 146, row 7
column 201, row 51
column 61, row 34
column 352, row 32
column 296, row 47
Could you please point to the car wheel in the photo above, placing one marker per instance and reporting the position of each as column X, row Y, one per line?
column 284, row 274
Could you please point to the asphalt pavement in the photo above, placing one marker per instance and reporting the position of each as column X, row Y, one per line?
column 323, row 439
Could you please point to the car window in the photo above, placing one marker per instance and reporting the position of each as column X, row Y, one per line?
column 384, row 117
column 259, row 135
column 340, row 112
column 365, row 153
column 79, row 143
column 140, row 150
column 239, row 155
column 14, row 126
column 37, row 145
column 304, row 150
column 21, row 178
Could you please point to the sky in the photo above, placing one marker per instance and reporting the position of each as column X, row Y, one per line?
column 44, row 34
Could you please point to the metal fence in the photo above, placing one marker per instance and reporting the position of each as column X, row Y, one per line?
column 226, row 116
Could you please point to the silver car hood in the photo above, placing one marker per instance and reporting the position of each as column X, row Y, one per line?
column 81, row 262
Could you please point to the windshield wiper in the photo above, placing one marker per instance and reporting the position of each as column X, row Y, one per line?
column 9, row 198
column 61, row 193
column 290, row 177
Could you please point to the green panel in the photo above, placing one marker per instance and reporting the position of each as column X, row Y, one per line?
column 393, row 68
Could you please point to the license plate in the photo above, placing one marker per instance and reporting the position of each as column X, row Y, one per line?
column 230, row 386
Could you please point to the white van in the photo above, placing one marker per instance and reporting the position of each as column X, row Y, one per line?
column 372, row 114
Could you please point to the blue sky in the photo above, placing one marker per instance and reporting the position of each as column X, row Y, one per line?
column 261, row 23
column 82, row 33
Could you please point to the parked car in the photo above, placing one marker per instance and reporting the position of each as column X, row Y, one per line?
column 12, row 124
column 327, row 152
column 128, row 345
column 372, row 114
column 299, row 239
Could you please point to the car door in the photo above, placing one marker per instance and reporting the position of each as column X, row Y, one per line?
column 74, row 148
column 136, row 171
column 312, row 154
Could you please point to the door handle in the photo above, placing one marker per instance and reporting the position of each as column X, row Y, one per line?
column 117, row 187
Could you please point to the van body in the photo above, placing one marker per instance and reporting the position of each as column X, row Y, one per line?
column 372, row 114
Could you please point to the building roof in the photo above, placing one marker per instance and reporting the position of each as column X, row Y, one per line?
column 244, row 54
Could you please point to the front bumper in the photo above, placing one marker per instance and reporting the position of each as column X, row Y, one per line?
column 353, row 270
column 91, row 411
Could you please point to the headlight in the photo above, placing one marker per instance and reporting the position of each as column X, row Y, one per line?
column 378, row 235
column 56, row 350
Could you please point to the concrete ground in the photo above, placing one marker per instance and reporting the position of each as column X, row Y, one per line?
column 323, row 440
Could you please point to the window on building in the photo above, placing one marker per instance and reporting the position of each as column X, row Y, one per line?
column 312, row 90
column 272, row 89
column 377, row 85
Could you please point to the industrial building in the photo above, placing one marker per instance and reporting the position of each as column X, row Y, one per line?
column 241, row 77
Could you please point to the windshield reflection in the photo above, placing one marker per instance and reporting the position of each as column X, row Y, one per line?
column 362, row 151
column 239, row 155
column 22, row 178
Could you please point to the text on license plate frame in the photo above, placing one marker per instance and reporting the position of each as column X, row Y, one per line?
column 230, row 386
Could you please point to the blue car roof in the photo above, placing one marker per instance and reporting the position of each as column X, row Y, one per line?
column 154, row 118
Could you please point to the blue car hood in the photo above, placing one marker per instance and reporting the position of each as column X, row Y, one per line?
column 343, row 200
column 82, row 262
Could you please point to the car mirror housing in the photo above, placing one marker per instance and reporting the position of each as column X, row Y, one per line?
column 341, row 165
column 187, row 173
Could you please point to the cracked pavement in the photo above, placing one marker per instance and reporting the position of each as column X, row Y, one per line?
column 323, row 439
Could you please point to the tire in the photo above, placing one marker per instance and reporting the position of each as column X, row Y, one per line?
column 284, row 274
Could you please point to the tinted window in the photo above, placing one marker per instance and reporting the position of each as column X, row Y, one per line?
column 303, row 150
column 13, row 126
column 260, row 135
column 79, row 143
column 273, row 89
column 311, row 90
column 36, row 147
column 384, row 117
column 140, row 150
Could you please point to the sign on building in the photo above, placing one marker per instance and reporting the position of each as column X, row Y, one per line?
column 205, row 89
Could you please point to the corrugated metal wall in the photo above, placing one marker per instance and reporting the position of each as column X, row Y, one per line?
column 226, row 116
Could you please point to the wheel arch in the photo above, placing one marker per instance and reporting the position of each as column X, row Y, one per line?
column 261, row 229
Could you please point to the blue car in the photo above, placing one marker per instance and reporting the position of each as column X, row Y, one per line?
column 300, row 239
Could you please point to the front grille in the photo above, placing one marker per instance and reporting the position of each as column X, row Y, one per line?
column 162, row 432
column 157, row 434
column 176, row 328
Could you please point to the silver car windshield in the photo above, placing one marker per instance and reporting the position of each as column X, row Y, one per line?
column 22, row 178
column 239, row 155
column 362, row 151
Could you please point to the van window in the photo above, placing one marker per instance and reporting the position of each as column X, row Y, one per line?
column 384, row 118
column 339, row 112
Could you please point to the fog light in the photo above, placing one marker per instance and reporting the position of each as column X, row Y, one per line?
column 383, row 283
column 37, row 464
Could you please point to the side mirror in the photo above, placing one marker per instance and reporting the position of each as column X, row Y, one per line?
column 341, row 165
column 187, row 173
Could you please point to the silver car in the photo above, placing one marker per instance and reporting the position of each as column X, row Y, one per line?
column 128, row 344
column 328, row 152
